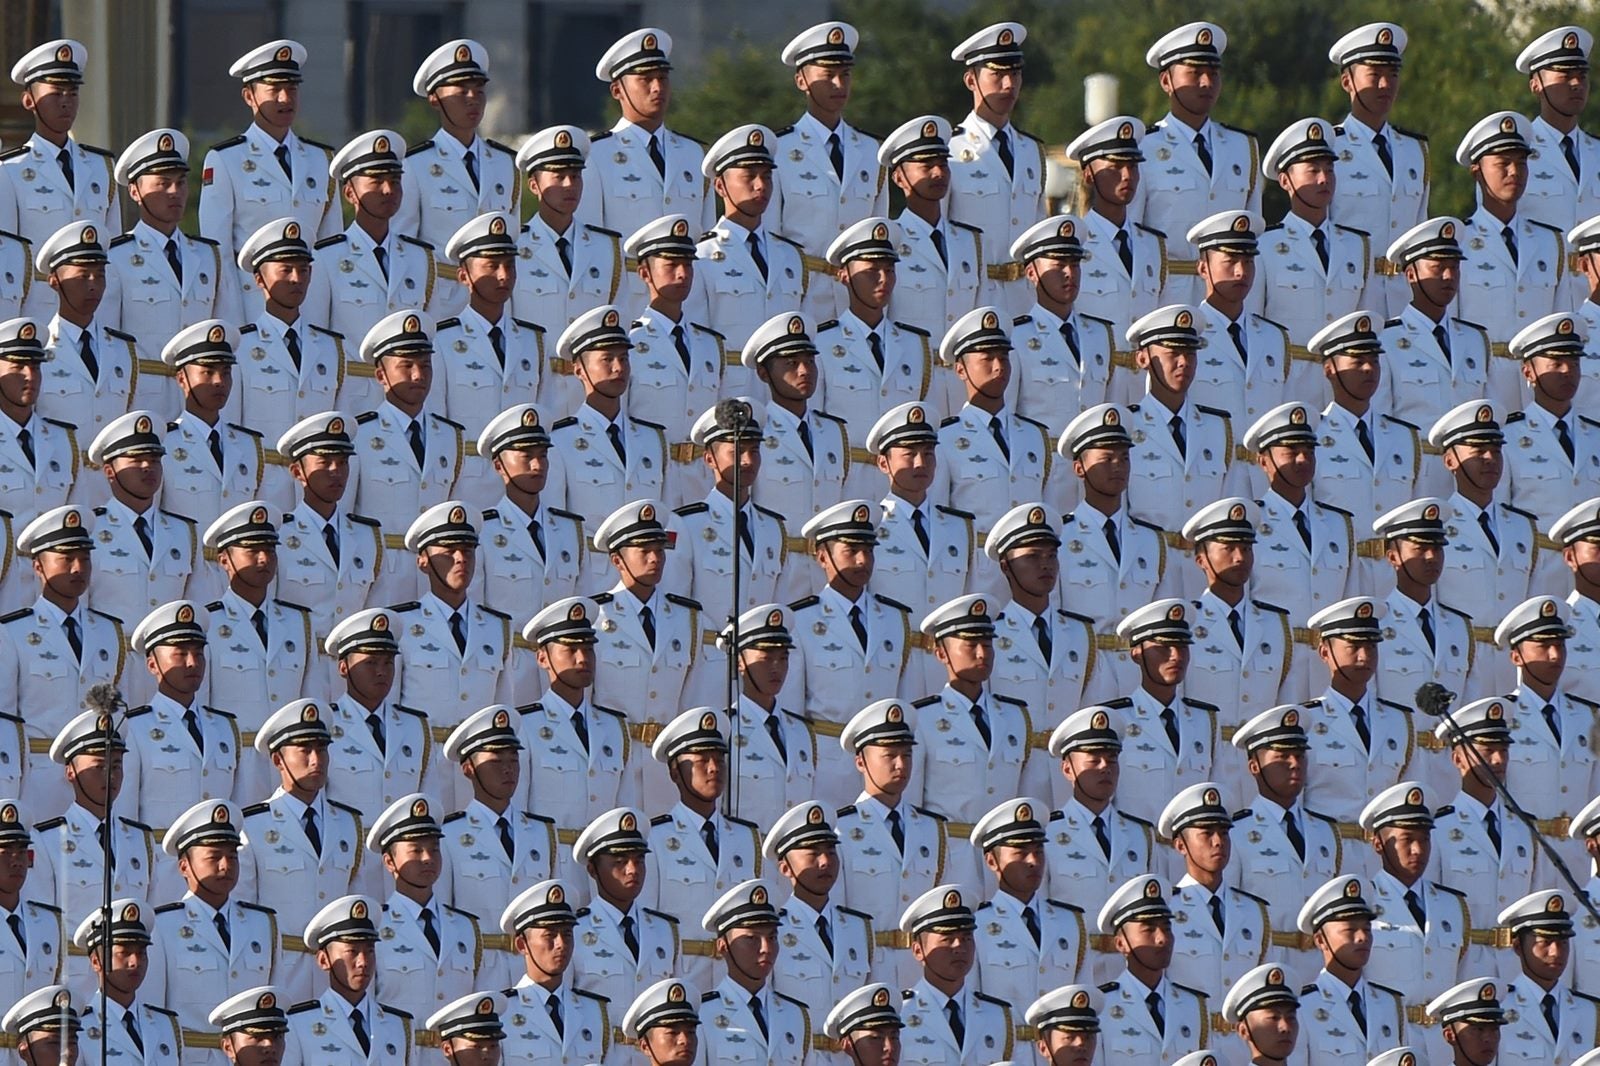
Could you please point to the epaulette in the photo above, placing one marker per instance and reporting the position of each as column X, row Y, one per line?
column 600, row 135
column 830, row 418
column 958, row 512
column 491, row 515
column 926, row 701
column 539, row 818
column 1409, row 133
column 415, row 148
column 530, row 708
column 708, row 331
column 249, row 327
column 200, row 240
column 1519, row 511
column 1335, row 510
column 412, row 711
column 447, row 323
column 486, row 609
column 832, row 323
column 25, row 612
column 1273, row 322
column 707, row 997
column 603, row 598
column 118, row 242
column 255, row 808
column 1475, row 325
column 231, row 142
column 1022, row 320
column 963, row 225
column 956, row 129
column 1251, row 896
column 591, row 995
column 1385, row 988
column 171, row 426
column 609, row 710
column 1402, row 422
column 850, row 910
column 949, row 421
column 1008, row 699
column 1442, row 811
column 990, row 999
column 1151, row 230
column 575, row 516
column 301, row 1008
column 1075, row 616
column 363, row 520
column 1195, row 992
column 1247, row 133
column 418, row 241
column 256, row 907
column 1587, row 703
column 1134, row 818
column 1396, row 706
column 137, row 825
column 1031, row 421
column 214, row 605
column 458, row 910
column 220, row 713
column 1201, row 705
column 914, row 330
column 161, row 1010
column 330, row 149
column 842, row 812
column 931, row 814
column 783, row 131
column 402, row 608
column 1314, row 701
column 603, row 231
column 1096, row 318
column 1546, row 225
column 1458, row 613
column 1585, row 995
column 1064, row 905
column 121, row 336
column 660, row 914
column 741, row 821
column 691, row 509
column 684, row 601
column 887, row 602
column 1110, row 986
column 326, row 241
column 563, row 423
column 1353, row 229
column 1274, row 608
column 1273, row 226
column 769, row 512
column 1452, row 891
column 22, row 149
column 365, row 417
column 51, row 823
column 453, row 817
column 1030, row 136
column 1581, row 418
column 499, row 147
column 1147, row 525
column 1390, row 323
column 646, row 422
column 396, row 1011
column 291, row 605
column 344, row 807
column 135, row 712
column 1308, row 989
column 1217, row 411
column 1239, row 816
column 907, row 993
column 805, row 603
column 168, row 908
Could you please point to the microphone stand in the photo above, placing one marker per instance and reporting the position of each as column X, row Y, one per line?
column 109, row 705
column 730, row 795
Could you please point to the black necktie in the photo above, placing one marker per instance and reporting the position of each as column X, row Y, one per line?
column 980, row 718
column 1364, row 438
column 1203, row 151
column 1547, row 1007
column 1358, row 1011
column 1042, row 637
column 381, row 254
column 469, row 159
column 760, row 1016
column 1569, row 149
column 1425, row 620
column 313, row 834
column 430, row 932
column 1491, row 826
column 1553, row 720
column 1297, row 839
column 1303, row 527
column 330, row 537
column 458, row 631
column 1236, row 332
column 503, row 829
column 825, row 934
column 258, row 621
column 536, row 531
column 805, row 438
column 630, row 939
column 1509, row 235
column 1113, row 541
column 657, row 156
column 19, row 931
column 1358, row 717
column 1169, row 722
column 74, row 638
column 580, row 726
column 175, row 260
column 708, row 833
column 958, row 1026
column 1179, row 436
column 375, row 727
column 1217, row 917
column 1564, row 438
column 775, row 731
column 741, row 528
column 497, row 341
column 897, row 831
column 1125, row 251
column 86, row 353
column 221, row 922
column 1069, row 333
column 875, row 343
column 919, row 526
column 107, row 848
column 64, row 161
column 192, row 723
column 938, row 246
column 25, row 442
column 564, row 250
column 1488, row 531
column 282, row 154
column 358, row 1025
column 1031, row 920
column 614, row 435
column 1236, row 623
column 1381, row 143
column 552, row 1007
column 836, row 155
column 1414, row 905
column 997, row 430
column 141, row 526
column 1157, row 1015
column 131, row 1024
column 414, row 437
column 680, row 342
column 1002, row 146
column 754, row 244
column 647, row 622
column 1319, row 241
column 1101, row 836
column 858, row 626
column 214, row 443
column 291, row 341
column 1441, row 337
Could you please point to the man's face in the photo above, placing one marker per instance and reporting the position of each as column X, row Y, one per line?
column 1358, row 374
column 1543, row 660
column 1116, row 181
column 274, row 103
column 369, row 673
column 1230, row 275
column 1273, row 1030
column 305, row 764
column 325, row 476
column 66, row 574
column 1147, row 941
column 374, row 195
column 252, row 566
column 752, row 952
column 497, row 772
column 413, row 862
column 1296, row 464
column 605, row 371
column 55, row 107
column 643, row 562
column 181, row 667
column 524, row 469
column 927, row 179
column 826, row 85
column 1353, row 661
column 137, row 475
column 1206, row 847
column 646, row 94
column 1476, row 1042
column 1226, row 562
column 19, row 383
column 1057, row 279
column 791, row 377
column 910, row 467
column 14, row 862
column 1440, row 279
column 723, row 455
column 1404, row 851
column 815, row 869
column 1282, row 772
column 671, row 1045
column 986, row 372
column 619, row 876
column 491, row 277
column 669, row 276
column 1565, row 91
column 81, row 285
column 1104, row 470
column 254, row 1049
column 1165, row 664
column 570, row 664
column 871, row 281
column 1067, row 1047
column 212, row 867
column 1481, row 464
column 874, row 1047
column 1544, row 958
column 459, row 1051
column 1094, row 773
column 886, row 766
column 163, row 195
column 1193, row 86
column 998, row 90
column 968, row 659
column 461, row 103
column 1349, row 940
column 560, row 191
column 547, row 948
column 1374, row 85
column 285, row 281
column 407, row 378
column 130, row 963
column 1419, row 561
column 766, row 668
column 49, row 1049
column 1556, row 377
column 946, row 955
column 1503, row 175
column 96, row 776
column 350, row 964
column 1033, row 568
column 1311, row 182
column 703, row 774
column 1018, row 867
column 1174, row 368
column 451, row 565
column 848, row 561
column 746, row 189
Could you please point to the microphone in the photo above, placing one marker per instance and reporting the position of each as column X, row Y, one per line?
column 731, row 417
column 104, row 698
column 732, row 414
